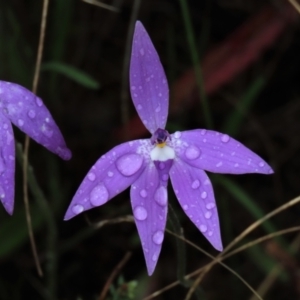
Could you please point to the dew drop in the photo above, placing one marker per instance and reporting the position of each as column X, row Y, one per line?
column 31, row 114
column 140, row 213
column 129, row 164
column 157, row 109
column 203, row 228
column 110, row 174
column 161, row 196
column 165, row 177
column 210, row 205
column 177, row 134
column 99, row 195
column 91, row 176
column 20, row 122
column 225, row 138
column 203, row 195
column 2, row 193
column 162, row 165
column 185, row 207
column 47, row 131
column 192, row 152
column 203, row 132
column 261, row 164
column 143, row 193
column 139, row 107
column 158, row 237
column 219, row 164
column 195, row 184
column 5, row 126
column 77, row 209
column 236, row 165
column 208, row 215
column 210, row 233
column 155, row 257
column 39, row 102
column 133, row 87
column 142, row 52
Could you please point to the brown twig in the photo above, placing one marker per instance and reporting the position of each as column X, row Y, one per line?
column 296, row 5
column 27, row 140
column 114, row 273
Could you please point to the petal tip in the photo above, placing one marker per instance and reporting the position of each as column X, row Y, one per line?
column 64, row 153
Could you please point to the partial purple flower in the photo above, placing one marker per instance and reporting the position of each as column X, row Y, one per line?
column 25, row 110
column 146, row 164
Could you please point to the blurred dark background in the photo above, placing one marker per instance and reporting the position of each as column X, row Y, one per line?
column 250, row 65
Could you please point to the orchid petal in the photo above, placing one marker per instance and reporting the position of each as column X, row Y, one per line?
column 149, row 201
column 7, row 164
column 110, row 175
column 148, row 83
column 216, row 152
column 29, row 114
column 195, row 194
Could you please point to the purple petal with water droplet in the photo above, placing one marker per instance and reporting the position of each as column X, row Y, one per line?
column 216, row 152
column 149, row 200
column 7, row 164
column 195, row 194
column 148, row 84
column 29, row 114
column 109, row 176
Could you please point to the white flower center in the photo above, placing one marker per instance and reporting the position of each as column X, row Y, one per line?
column 162, row 153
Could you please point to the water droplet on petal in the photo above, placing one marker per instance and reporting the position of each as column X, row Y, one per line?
column 158, row 237
column 39, row 102
column 225, row 138
column 47, row 131
column 219, row 164
column 192, row 152
column 195, row 184
column 203, row 195
column 210, row 205
column 133, row 87
column 261, row 164
column 142, row 52
column 20, row 122
column 31, row 114
column 208, row 215
column 155, row 257
column 77, row 209
column 157, row 109
column 143, row 193
column 140, row 213
column 5, row 126
column 161, row 196
column 203, row 131
column 162, row 165
column 99, row 195
column 110, row 174
column 2, row 193
column 185, row 207
column 139, row 107
column 203, row 228
column 177, row 134
column 91, row 176
column 165, row 177
column 129, row 164
column 210, row 233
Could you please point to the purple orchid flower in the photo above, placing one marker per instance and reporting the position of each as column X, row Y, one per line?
column 25, row 110
column 147, row 164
